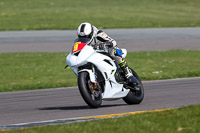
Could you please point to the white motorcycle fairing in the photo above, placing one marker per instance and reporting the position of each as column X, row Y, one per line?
column 112, row 89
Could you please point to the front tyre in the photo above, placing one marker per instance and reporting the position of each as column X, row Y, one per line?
column 89, row 91
column 135, row 96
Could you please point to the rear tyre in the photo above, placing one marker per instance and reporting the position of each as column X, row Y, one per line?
column 135, row 96
column 90, row 93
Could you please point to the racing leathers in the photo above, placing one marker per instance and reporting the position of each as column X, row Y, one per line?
column 102, row 41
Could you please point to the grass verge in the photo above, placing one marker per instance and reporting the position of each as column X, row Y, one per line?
column 68, row 14
column 26, row 71
column 183, row 120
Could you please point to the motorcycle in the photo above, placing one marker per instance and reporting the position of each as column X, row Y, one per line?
column 100, row 77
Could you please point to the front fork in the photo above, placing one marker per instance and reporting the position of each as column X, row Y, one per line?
column 93, row 84
column 92, row 74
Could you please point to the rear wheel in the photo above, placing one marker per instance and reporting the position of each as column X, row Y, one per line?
column 90, row 92
column 136, row 93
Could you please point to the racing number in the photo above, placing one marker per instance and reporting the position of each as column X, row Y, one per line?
column 76, row 46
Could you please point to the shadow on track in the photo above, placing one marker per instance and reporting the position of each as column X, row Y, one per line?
column 83, row 107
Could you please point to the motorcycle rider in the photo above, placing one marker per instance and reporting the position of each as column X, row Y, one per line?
column 100, row 40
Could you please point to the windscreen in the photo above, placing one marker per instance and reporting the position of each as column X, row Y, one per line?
column 79, row 44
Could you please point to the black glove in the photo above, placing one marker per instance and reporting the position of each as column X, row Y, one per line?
column 102, row 46
column 109, row 44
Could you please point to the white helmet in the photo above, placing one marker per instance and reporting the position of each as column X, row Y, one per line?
column 85, row 30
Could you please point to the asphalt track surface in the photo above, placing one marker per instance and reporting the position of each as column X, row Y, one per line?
column 66, row 103
column 149, row 39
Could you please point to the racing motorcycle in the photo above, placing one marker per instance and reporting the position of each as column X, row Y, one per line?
column 100, row 77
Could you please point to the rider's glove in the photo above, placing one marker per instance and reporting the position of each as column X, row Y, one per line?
column 109, row 44
column 102, row 46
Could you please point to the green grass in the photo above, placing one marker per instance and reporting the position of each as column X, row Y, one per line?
column 68, row 14
column 165, row 64
column 21, row 71
column 183, row 120
column 26, row 71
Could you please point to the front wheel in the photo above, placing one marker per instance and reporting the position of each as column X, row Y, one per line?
column 90, row 92
column 135, row 96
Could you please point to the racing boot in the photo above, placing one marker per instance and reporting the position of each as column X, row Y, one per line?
column 127, row 71
column 130, row 79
